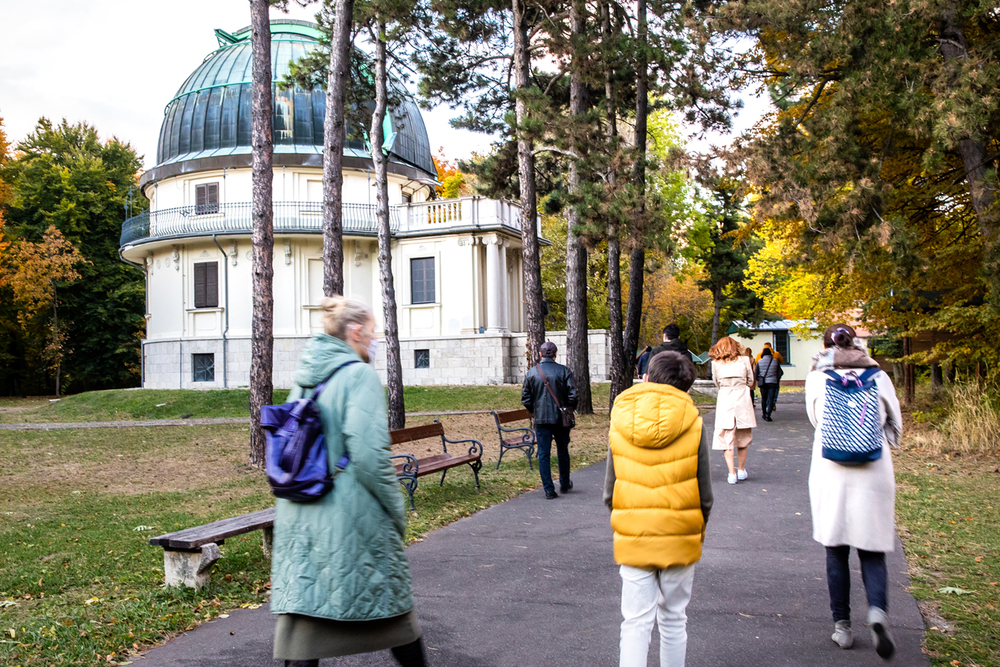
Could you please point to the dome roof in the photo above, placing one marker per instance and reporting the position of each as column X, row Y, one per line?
column 209, row 117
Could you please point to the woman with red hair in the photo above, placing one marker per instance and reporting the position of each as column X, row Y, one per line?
column 733, row 374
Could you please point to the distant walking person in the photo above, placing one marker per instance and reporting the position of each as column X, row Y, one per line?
column 672, row 342
column 748, row 353
column 734, row 417
column 781, row 360
column 550, row 396
column 340, row 582
column 852, row 402
column 769, row 378
column 659, row 490
column 643, row 361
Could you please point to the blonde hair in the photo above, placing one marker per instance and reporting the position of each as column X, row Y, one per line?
column 726, row 349
column 339, row 312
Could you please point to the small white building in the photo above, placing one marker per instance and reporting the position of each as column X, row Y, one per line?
column 796, row 350
column 456, row 263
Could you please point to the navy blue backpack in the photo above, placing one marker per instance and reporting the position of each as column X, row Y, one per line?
column 852, row 428
column 295, row 457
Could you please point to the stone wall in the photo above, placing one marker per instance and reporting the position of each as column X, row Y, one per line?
column 477, row 359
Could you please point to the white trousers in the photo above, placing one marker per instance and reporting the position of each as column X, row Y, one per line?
column 662, row 595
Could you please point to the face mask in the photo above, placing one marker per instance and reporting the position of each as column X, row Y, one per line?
column 372, row 351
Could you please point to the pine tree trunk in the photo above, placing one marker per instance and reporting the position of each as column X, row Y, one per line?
column 577, row 343
column 617, row 365
column 976, row 158
column 716, row 312
column 637, row 248
column 394, row 366
column 334, row 134
column 262, row 233
column 526, row 174
column 55, row 339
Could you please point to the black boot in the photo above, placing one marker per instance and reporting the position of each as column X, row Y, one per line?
column 410, row 655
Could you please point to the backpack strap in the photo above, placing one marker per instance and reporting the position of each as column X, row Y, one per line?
column 322, row 385
column 869, row 374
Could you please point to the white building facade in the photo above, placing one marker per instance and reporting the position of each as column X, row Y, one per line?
column 456, row 263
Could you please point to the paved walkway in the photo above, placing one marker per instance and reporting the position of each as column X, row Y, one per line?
column 532, row 583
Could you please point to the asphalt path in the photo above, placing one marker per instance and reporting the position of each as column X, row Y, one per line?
column 532, row 582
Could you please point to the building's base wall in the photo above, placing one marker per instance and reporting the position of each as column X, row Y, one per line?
column 478, row 359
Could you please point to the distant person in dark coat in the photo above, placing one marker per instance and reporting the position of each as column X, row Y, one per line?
column 643, row 361
column 547, row 417
column 672, row 342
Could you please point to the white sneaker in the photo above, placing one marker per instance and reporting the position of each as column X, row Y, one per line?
column 741, row 474
column 842, row 634
column 881, row 636
column 731, row 479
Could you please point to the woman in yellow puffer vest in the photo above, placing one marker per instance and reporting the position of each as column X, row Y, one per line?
column 660, row 494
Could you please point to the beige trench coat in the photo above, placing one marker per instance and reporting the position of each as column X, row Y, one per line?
column 733, row 408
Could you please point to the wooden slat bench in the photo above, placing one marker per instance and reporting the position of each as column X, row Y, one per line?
column 410, row 468
column 525, row 440
column 188, row 555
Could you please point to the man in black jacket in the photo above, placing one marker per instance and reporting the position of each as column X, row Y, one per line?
column 537, row 398
column 671, row 342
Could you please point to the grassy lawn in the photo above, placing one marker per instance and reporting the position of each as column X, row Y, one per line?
column 140, row 404
column 79, row 583
column 948, row 513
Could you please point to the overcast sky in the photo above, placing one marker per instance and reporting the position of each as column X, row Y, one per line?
column 116, row 64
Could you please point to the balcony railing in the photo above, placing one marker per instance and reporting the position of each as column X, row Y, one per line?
column 307, row 217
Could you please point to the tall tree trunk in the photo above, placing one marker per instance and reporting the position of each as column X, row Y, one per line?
column 262, row 233
column 620, row 380
column 55, row 340
column 577, row 343
column 976, row 158
column 637, row 248
column 526, row 174
column 716, row 312
column 393, row 364
column 334, row 134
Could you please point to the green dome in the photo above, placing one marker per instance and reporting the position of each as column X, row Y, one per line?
column 209, row 116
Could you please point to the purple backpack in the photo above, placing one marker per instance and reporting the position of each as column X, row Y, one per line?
column 295, row 458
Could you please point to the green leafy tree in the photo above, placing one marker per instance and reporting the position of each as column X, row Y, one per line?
column 65, row 176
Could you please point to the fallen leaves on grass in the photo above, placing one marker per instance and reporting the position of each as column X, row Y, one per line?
column 951, row 590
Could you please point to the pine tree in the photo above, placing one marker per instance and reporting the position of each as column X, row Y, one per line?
column 262, row 231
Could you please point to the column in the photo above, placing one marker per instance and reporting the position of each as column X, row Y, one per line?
column 495, row 275
column 504, row 288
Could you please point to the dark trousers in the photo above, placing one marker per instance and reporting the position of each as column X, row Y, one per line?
column 838, row 579
column 545, row 433
column 768, row 395
column 408, row 655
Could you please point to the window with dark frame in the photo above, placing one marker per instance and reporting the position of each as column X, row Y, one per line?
column 206, row 285
column 782, row 347
column 407, row 198
column 203, row 367
column 206, row 198
column 422, row 285
column 421, row 358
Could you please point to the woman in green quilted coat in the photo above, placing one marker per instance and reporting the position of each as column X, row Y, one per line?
column 340, row 583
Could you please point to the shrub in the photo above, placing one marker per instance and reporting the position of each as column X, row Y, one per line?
column 972, row 425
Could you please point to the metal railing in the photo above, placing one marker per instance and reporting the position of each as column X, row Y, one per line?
column 307, row 217
column 289, row 216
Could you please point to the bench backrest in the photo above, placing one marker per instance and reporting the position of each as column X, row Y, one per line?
column 435, row 430
column 508, row 416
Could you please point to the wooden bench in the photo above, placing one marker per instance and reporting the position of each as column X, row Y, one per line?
column 525, row 441
column 188, row 555
column 410, row 468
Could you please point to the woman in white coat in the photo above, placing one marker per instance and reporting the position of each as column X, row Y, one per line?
column 853, row 505
column 732, row 373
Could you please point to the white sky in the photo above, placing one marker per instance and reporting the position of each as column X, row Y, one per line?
column 115, row 64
